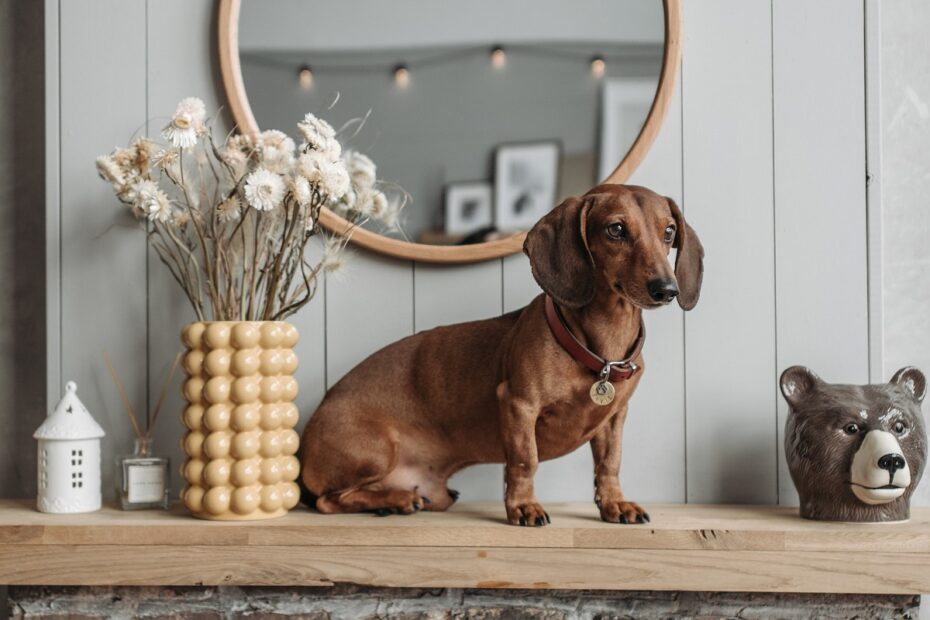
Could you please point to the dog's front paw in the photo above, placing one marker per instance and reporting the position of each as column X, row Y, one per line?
column 529, row 513
column 620, row 511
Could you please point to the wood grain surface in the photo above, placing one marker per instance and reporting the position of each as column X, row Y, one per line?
column 686, row 547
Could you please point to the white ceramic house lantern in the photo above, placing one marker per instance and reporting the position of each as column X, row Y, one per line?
column 69, row 458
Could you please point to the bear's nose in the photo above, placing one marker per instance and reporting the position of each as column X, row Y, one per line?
column 662, row 290
column 891, row 462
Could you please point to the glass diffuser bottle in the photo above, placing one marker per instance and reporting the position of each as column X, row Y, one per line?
column 143, row 478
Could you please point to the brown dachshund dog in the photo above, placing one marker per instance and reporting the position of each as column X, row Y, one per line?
column 389, row 435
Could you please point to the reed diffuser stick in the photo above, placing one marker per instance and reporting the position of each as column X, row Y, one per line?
column 122, row 393
column 161, row 397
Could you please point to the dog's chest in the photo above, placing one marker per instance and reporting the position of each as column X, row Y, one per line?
column 565, row 424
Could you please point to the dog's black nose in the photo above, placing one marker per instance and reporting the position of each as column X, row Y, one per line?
column 891, row 462
column 662, row 289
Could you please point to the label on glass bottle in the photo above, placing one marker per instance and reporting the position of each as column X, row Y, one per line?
column 145, row 483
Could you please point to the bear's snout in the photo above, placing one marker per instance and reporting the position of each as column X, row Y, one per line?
column 880, row 473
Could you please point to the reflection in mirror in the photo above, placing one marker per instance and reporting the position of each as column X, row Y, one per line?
column 485, row 114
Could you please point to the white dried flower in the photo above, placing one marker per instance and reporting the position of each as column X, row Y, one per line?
column 331, row 177
column 127, row 191
column 332, row 149
column 361, row 169
column 317, row 132
column 186, row 124
column 142, row 187
column 302, row 191
column 264, row 189
column 181, row 219
column 124, row 158
column 144, row 150
column 153, row 202
column 229, row 210
column 276, row 149
column 110, row 172
column 379, row 205
column 235, row 153
column 166, row 159
column 359, row 201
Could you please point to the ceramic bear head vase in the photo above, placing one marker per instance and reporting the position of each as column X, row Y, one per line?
column 855, row 452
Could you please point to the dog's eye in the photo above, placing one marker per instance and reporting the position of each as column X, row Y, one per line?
column 669, row 234
column 899, row 427
column 851, row 429
column 616, row 231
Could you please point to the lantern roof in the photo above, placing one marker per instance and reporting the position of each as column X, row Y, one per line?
column 70, row 420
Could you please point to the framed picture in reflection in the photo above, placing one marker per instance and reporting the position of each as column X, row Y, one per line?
column 468, row 207
column 526, row 183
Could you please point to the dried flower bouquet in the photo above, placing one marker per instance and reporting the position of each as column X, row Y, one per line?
column 232, row 222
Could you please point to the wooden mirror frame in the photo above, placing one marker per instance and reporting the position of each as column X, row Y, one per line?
column 228, row 22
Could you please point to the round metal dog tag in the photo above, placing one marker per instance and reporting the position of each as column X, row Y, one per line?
column 602, row 392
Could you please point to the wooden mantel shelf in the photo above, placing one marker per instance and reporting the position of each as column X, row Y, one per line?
column 691, row 547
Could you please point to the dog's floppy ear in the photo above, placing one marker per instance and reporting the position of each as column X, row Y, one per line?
column 689, row 262
column 559, row 255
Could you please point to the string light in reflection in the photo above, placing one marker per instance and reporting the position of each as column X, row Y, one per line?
column 305, row 77
column 401, row 76
column 498, row 57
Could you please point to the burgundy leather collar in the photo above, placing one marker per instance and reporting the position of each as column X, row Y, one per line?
column 605, row 369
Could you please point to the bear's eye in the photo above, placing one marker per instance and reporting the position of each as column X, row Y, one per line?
column 899, row 427
column 616, row 231
column 851, row 429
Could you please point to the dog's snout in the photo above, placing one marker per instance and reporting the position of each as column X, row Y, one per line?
column 662, row 289
column 891, row 463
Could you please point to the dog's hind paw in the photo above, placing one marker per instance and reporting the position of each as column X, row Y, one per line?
column 397, row 502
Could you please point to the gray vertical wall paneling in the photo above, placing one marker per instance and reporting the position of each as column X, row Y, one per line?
column 103, row 254
column 54, row 384
column 445, row 295
column 873, row 128
column 730, row 335
column 369, row 304
column 820, row 224
column 311, row 348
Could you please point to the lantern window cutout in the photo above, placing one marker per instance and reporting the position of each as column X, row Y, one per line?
column 69, row 458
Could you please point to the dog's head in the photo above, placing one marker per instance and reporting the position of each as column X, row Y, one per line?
column 618, row 238
column 855, row 452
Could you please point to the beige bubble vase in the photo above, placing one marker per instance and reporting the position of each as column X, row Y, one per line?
column 240, row 415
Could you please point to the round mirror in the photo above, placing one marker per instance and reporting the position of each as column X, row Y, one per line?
column 484, row 116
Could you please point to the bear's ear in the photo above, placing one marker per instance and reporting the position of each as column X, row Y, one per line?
column 795, row 382
column 911, row 380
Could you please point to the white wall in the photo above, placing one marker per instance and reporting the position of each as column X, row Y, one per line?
column 905, row 186
column 764, row 148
